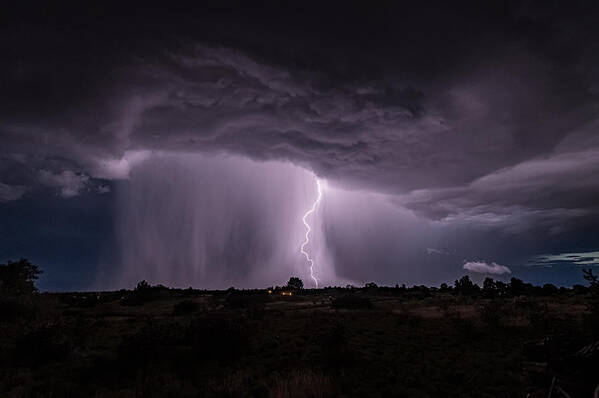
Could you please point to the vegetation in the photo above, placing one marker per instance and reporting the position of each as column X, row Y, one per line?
column 351, row 301
column 295, row 283
column 17, row 278
column 502, row 339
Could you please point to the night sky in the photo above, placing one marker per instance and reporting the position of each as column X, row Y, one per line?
column 182, row 145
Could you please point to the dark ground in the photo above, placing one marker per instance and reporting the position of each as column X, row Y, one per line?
column 156, row 342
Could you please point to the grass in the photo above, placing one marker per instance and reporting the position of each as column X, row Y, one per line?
column 316, row 344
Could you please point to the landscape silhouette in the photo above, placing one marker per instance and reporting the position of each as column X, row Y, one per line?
column 498, row 339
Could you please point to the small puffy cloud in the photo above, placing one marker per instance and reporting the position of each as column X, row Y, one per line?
column 70, row 183
column 432, row 250
column 102, row 189
column 482, row 267
column 11, row 192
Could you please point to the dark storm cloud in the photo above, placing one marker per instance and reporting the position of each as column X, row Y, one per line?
column 545, row 191
column 221, row 99
column 474, row 115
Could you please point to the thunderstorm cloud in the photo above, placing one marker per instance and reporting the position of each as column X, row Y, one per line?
column 481, row 139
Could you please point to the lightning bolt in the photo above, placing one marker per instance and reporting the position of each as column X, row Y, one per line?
column 308, row 229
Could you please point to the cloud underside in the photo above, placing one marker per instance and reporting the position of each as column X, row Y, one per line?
column 508, row 148
column 546, row 192
column 11, row 192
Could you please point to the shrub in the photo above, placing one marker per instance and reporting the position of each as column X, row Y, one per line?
column 465, row 327
column 301, row 384
column 334, row 346
column 538, row 316
column 406, row 317
column 143, row 293
column 352, row 302
column 240, row 300
column 42, row 346
column 492, row 313
column 81, row 300
column 17, row 278
column 185, row 307
column 15, row 308
column 152, row 343
column 593, row 303
column 223, row 339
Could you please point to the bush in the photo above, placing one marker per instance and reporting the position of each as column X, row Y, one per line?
column 143, row 293
column 334, row 344
column 81, row 300
column 300, row 383
column 154, row 341
column 593, row 302
column 492, row 313
column 17, row 278
column 13, row 309
column 185, row 307
column 240, row 300
column 223, row 339
column 352, row 302
column 538, row 316
column 42, row 346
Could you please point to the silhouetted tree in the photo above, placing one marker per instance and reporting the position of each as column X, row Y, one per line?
column 590, row 277
column 593, row 303
column 18, row 278
column 579, row 289
column 465, row 286
column 489, row 287
column 518, row 287
column 501, row 288
column 370, row 285
column 295, row 283
column 549, row 289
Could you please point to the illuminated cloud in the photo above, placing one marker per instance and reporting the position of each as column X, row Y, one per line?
column 11, row 192
column 69, row 183
column 482, row 267
column 565, row 259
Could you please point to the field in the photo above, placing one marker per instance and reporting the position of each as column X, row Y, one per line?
column 155, row 342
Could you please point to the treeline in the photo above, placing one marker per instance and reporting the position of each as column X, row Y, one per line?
column 17, row 278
